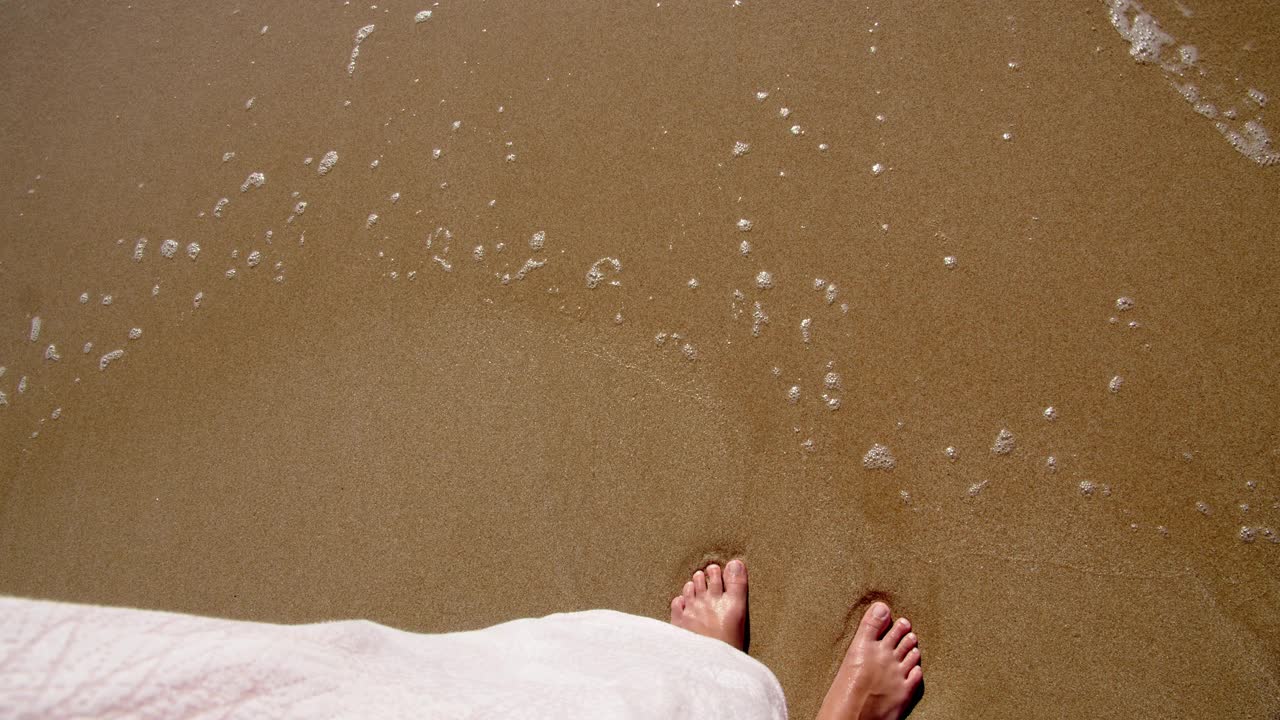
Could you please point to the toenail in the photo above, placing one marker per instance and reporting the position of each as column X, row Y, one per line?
column 880, row 611
column 734, row 567
column 911, row 637
column 903, row 622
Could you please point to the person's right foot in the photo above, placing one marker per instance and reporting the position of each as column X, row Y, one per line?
column 880, row 672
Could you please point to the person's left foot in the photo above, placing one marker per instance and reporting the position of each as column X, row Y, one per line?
column 714, row 605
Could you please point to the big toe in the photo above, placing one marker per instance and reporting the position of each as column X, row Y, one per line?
column 735, row 578
column 874, row 622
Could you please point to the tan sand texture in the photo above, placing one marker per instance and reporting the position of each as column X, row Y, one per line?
column 346, row 428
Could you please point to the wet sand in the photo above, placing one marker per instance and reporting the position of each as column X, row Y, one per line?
column 376, row 436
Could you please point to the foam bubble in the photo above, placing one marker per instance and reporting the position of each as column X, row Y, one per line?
column 35, row 328
column 951, row 453
column 422, row 16
column 444, row 264
column 139, row 249
column 4, row 399
column 529, row 266
column 764, row 279
column 1116, row 383
column 1248, row 534
column 227, row 156
column 1124, row 303
column 1051, row 464
column 744, row 248
column 831, row 293
column 107, row 299
column 195, row 301
column 977, row 487
column 793, row 394
column 248, row 104
column 168, row 248
column 1254, row 143
column 327, row 162
column 538, row 240
column 478, row 253
column 109, row 358
column 1004, row 442
column 436, row 153
column 693, row 283
column 744, row 224
column 1146, row 39
column 1087, row 488
column 690, row 352
column 597, row 272
column 361, row 34
column 1203, row 508
column 88, row 347
column 219, row 206
column 254, row 180
column 949, row 262
column 371, row 220
column 22, row 384
column 254, row 258
column 832, row 381
column 230, row 273
column 879, row 457
column 758, row 319
column 84, row 298
column 784, row 112
column 877, row 168
column 1051, row 413
column 797, row 130
column 740, row 148
column 761, row 95
column 51, row 353
column 806, row 330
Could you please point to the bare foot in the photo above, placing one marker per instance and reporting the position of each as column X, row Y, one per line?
column 712, row 605
column 880, row 673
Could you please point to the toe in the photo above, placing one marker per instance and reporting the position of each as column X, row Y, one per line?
column 687, row 592
column 911, row 660
column 699, row 583
column 715, row 585
column 874, row 622
column 914, row 677
column 735, row 578
column 677, row 607
column 897, row 632
column 907, row 645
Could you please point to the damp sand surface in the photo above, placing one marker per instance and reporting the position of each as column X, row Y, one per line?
column 443, row 319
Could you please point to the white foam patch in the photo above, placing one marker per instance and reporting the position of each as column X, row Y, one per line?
column 1004, row 442
column 255, row 180
column 879, row 457
column 600, row 270
column 109, row 358
column 327, row 162
column 361, row 35
column 1225, row 87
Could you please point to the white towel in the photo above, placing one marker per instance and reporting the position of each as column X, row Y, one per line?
column 59, row 660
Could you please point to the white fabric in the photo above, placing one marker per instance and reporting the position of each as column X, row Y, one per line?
column 59, row 660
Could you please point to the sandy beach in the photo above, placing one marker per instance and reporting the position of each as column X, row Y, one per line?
column 451, row 313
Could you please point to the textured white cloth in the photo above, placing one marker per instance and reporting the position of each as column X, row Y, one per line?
column 59, row 660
